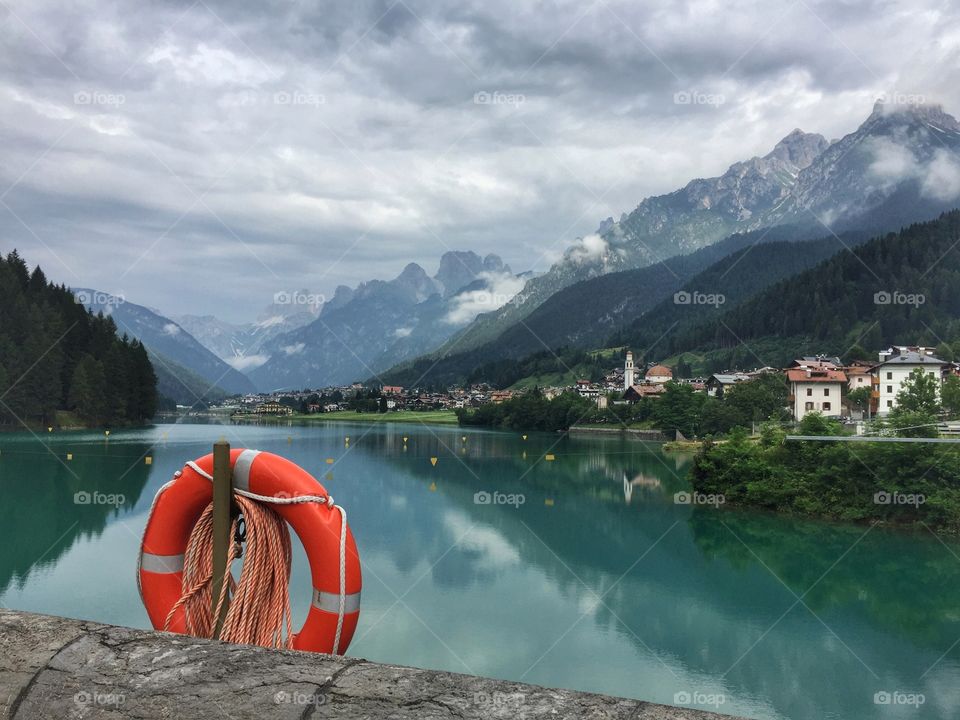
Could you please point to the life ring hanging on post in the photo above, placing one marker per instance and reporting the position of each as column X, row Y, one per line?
column 300, row 500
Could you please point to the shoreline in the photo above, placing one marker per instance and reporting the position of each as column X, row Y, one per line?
column 639, row 433
column 425, row 417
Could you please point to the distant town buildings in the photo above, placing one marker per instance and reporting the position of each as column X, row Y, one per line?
column 816, row 383
column 273, row 408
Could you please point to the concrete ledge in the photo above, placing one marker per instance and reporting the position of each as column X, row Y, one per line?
column 56, row 667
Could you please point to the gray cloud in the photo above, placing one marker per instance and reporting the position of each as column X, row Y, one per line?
column 199, row 157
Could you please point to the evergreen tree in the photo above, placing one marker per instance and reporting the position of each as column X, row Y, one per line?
column 55, row 354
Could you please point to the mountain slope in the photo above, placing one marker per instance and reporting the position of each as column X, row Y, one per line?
column 166, row 338
column 709, row 296
column 181, row 385
column 364, row 330
column 701, row 213
column 585, row 313
column 895, row 289
column 240, row 346
column 899, row 166
column 747, row 264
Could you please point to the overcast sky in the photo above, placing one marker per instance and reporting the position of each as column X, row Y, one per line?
column 202, row 156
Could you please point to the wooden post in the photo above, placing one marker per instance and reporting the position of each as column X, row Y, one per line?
column 222, row 513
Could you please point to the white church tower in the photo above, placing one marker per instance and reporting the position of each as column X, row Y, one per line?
column 628, row 371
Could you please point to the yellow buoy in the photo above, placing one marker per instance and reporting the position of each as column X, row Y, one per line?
column 329, row 461
column 49, row 429
column 404, row 438
column 148, row 460
column 524, row 437
column 328, row 476
column 464, row 438
column 107, row 433
column 548, row 502
column 69, row 456
column 433, row 461
column 433, row 487
column 549, row 456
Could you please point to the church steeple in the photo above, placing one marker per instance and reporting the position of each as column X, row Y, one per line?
column 628, row 371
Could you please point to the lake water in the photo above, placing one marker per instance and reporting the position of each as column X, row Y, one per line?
column 597, row 582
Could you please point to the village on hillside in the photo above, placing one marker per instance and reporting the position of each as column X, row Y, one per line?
column 854, row 390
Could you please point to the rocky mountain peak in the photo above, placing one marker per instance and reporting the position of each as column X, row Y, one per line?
column 457, row 269
column 415, row 280
column 906, row 113
column 799, row 148
column 494, row 264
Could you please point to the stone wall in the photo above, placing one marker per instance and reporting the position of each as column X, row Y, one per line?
column 53, row 667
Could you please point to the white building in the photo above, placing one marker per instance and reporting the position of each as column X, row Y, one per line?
column 816, row 390
column 858, row 376
column 628, row 372
column 894, row 369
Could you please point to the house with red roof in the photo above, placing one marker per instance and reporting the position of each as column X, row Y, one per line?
column 815, row 389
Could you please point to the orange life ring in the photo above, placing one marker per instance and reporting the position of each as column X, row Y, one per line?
column 331, row 550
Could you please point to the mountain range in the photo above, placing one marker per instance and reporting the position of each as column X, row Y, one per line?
column 364, row 330
column 899, row 160
column 899, row 166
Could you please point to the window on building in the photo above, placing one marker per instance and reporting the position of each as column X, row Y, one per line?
column 808, row 406
column 826, row 392
column 809, row 392
column 889, row 388
column 889, row 403
column 826, row 406
column 889, row 376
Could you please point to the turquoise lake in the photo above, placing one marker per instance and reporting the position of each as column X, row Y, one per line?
column 598, row 581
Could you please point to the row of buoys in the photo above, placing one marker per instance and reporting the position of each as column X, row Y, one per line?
column 147, row 459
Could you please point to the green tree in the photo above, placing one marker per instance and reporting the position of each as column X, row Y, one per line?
column 759, row 399
column 678, row 409
column 87, row 396
column 860, row 398
column 857, row 352
column 950, row 396
column 919, row 393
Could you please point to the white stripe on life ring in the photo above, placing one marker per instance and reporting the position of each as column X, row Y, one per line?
column 165, row 564
column 241, row 469
column 330, row 602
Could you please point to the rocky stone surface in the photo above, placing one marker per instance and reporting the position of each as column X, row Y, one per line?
column 59, row 668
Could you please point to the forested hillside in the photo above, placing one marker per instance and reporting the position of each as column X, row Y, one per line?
column 56, row 355
column 897, row 289
column 670, row 325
